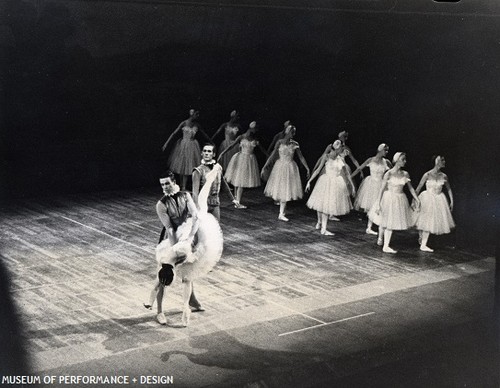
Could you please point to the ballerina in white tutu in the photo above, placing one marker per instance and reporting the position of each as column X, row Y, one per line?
column 434, row 216
column 330, row 196
column 177, row 253
column 392, row 204
column 231, row 130
column 284, row 183
column 243, row 170
column 186, row 154
column 370, row 186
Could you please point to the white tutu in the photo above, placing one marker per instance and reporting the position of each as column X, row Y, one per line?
column 185, row 157
column 330, row 196
column 284, row 183
column 208, row 244
column 395, row 211
column 243, row 170
column 434, row 215
column 367, row 193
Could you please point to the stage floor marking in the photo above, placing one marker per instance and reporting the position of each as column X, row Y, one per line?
column 326, row 324
column 296, row 312
column 106, row 234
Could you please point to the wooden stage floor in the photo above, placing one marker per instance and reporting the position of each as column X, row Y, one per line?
column 81, row 266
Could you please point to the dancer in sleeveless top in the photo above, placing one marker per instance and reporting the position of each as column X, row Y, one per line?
column 370, row 186
column 243, row 170
column 435, row 212
column 179, row 253
column 186, row 153
column 231, row 130
column 284, row 182
column 331, row 193
column 392, row 204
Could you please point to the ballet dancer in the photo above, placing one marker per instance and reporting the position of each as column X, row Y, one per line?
column 186, row 154
column 243, row 170
column 434, row 216
column 331, row 192
column 392, row 204
column 284, row 183
column 177, row 254
column 370, row 186
column 231, row 130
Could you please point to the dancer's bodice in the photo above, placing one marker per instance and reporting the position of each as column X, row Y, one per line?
column 333, row 167
column 435, row 186
column 286, row 151
column 247, row 146
column 395, row 184
column 377, row 170
column 188, row 133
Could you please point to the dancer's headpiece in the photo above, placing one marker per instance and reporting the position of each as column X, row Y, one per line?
column 381, row 147
column 396, row 157
column 337, row 144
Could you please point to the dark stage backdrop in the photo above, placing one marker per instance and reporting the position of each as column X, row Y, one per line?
column 90, row 90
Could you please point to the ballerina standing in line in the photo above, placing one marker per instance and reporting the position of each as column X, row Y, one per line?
column 370, row 186
column 435, row 212
column 186, row 154
column 243, row 170
column 231, row 130
column 392, row 204
column 284, row 182
column 330, row 196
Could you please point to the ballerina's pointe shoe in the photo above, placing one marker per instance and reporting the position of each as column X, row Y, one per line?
column 388, row 250
column 186, row 315
column 425, row 248
column 369, row 231
column 161, row 319
column 327, row 233
column 318, row 225
column 282, row 217
column 380, row 242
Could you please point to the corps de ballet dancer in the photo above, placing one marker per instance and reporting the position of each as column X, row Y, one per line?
column 186, row 154
column 243, row 170
column 231, row 130
column 392, row 204
column 179, row 254
column 370, row 186
column 284, row 183
column 434, row 216
column 330, row 195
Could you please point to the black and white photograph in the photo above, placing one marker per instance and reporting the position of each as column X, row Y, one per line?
column 250, row 193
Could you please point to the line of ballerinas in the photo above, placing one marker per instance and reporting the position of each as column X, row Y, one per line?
column 381, row 195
